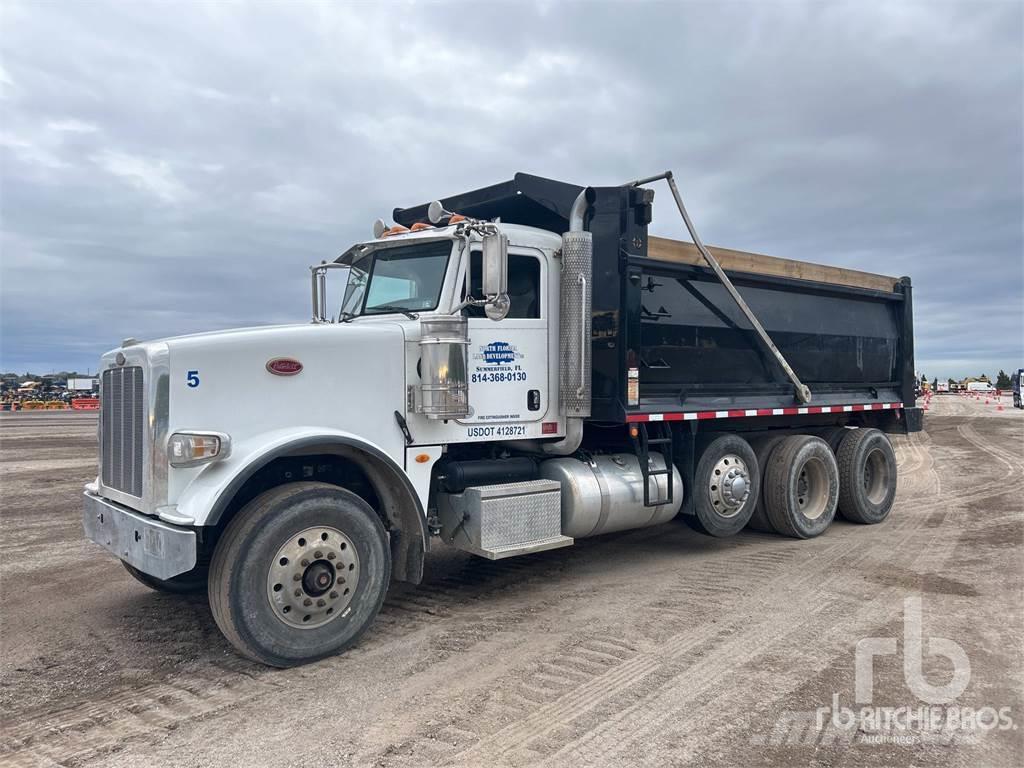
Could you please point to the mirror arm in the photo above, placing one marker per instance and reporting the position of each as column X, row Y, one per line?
column 484, row 229
column 319, row 295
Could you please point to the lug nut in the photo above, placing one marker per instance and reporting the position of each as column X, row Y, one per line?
column 307, row 601
column 318, row 554
column 298, row 593
column 297, row 577
column 321, row 603
column 334, row 595
column 305, row 563
column 330, row 555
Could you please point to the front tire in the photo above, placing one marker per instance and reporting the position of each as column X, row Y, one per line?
column 299, row 574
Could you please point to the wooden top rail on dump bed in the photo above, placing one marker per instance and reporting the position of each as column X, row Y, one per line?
column 663, row 249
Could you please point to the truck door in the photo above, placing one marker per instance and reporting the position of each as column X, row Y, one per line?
column 508, row 359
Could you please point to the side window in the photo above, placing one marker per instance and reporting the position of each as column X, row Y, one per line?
column 523, row 286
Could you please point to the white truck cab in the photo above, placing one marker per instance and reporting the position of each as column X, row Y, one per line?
column 195, row 427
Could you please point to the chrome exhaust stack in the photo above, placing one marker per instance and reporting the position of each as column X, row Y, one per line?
column 575, row 302
column 574, row 324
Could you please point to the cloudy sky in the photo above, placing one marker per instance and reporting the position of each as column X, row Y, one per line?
column 175, row 167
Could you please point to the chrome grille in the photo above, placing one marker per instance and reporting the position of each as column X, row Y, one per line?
column 122, row 425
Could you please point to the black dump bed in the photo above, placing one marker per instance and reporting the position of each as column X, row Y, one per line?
column 660, row 314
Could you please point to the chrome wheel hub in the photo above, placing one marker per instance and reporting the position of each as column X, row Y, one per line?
column 729, row 485
column 313, row 577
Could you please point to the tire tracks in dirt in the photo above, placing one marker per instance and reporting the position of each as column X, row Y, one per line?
column 80, row 731
column 603, row 688
column 636, row 726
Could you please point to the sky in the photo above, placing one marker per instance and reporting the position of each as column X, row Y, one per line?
column 176, row 167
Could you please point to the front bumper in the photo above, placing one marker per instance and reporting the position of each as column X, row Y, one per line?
column 152, row 546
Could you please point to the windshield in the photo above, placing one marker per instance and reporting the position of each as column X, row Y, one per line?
column 404, row 278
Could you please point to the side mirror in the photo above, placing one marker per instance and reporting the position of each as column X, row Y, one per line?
column 494, row 280
column 495, row 265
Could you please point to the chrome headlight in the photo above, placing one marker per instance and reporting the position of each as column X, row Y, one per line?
column 188, row 449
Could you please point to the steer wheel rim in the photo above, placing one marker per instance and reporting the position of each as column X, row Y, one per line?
column 876, row 476
column 312, row 578
column 729, row 485
column 812, row 489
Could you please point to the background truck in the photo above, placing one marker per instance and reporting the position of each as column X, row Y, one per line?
column 78, row 384
column 1017, row 384
column 507, row 370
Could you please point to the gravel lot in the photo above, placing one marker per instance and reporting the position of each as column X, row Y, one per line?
column 657, row 647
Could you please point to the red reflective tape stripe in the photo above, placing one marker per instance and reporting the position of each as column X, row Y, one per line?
column 743, row 413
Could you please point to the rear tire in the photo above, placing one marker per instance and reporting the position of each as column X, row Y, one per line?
column 801, row 487
column 867, row 476
column 763, row 447
column 299, row 573
column 187, row 583
column 833, row 436
column 726, row 485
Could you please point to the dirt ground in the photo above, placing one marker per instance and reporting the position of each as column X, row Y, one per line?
column 658, row 647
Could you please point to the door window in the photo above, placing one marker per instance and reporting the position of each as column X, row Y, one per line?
column 523, row 286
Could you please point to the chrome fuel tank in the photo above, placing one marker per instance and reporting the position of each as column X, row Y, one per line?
column 607, row 493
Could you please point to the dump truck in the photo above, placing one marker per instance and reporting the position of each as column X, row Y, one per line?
column 1016, row 386
column 503, row 371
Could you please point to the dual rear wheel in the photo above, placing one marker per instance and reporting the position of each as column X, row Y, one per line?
column 793, row 484
column 801, row 487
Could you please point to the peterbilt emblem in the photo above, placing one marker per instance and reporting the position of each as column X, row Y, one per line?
column 284, row 366
column 119, row 358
